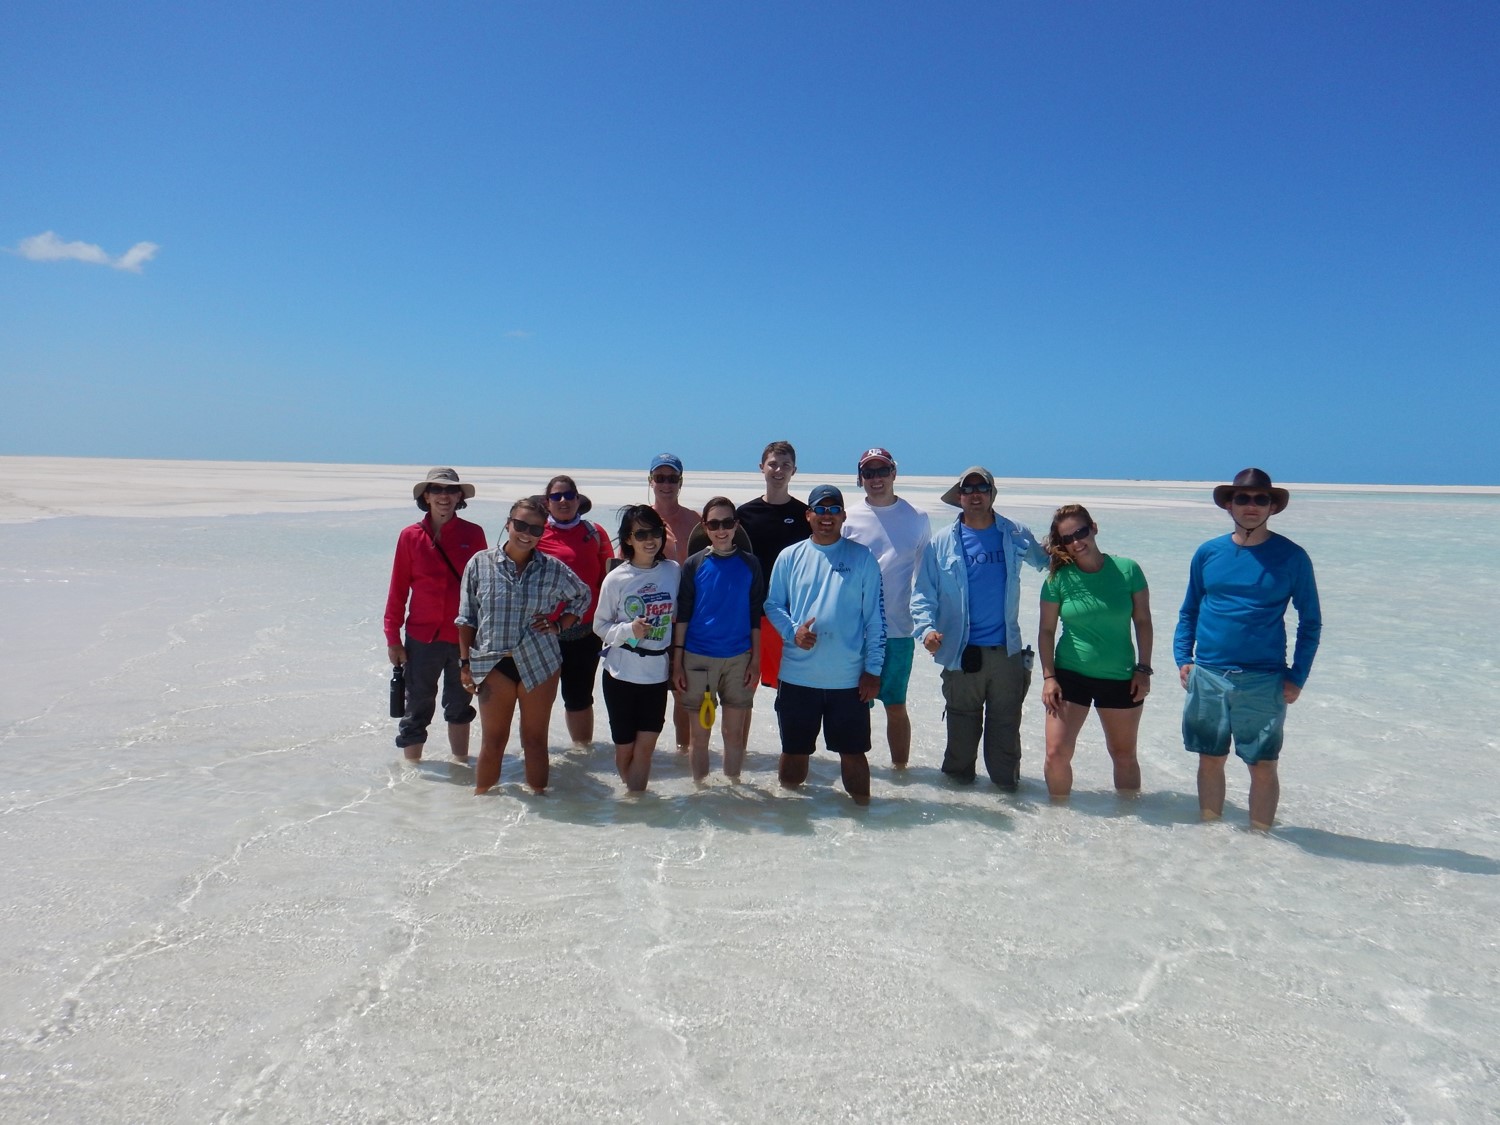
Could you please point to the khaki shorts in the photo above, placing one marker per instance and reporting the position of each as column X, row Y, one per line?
column 722, row 675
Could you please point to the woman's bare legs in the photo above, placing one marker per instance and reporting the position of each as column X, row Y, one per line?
column 498, row 697
column 497, row 706
column 736, row 733
column 1121, row 725
column 536, row 714
column 698, row 754
column 1062, row 737
column 458, row 740
column 633, row 760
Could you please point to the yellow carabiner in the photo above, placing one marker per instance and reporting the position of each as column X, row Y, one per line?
column 707, row 710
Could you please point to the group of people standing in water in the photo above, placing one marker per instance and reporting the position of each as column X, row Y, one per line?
column 825, row 602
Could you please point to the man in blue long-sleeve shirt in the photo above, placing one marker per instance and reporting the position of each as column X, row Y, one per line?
column 825, row 602
column 1231, row 645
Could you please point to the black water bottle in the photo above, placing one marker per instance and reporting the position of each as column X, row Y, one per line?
column 398, row 691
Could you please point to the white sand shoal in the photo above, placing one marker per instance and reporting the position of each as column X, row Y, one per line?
column 34, row 488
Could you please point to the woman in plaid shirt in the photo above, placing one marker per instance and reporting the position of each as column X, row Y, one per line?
column 514, row 603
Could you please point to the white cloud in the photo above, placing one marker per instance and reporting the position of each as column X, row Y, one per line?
column 518, row 334
column 47, row 247
column 136, row 257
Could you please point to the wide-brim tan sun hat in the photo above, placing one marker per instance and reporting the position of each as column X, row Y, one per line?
column 951, row 497
column 441, row 476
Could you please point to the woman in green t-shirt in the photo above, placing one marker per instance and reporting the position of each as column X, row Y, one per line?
column 1098, row 598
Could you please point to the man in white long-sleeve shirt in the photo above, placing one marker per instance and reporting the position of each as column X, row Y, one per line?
column 896, row 534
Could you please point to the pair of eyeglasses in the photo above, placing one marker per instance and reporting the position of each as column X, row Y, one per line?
column 828, row 509
column 521, row 527
column 562, row 497
column 666, row 478
column 1077, row 537
column 721, row 525
column 971, row 489
column 444, row 489
column 877, row 471
column 1246, row 500
column 642, row 534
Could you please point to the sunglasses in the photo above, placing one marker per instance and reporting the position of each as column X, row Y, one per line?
column 1077, row 537
column 642, row 534
column 828, row 509
column 521, row 527
column 720, row 525
column 563, row 497
column 667, row 478
column 444, row 489
column 877, row 471
column 971, row 489
column 1245, row 500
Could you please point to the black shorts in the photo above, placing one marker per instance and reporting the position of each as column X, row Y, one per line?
column 839, row 712
column 580, row 664
column 634, row 708
column 507, row 668
column 1085, row 690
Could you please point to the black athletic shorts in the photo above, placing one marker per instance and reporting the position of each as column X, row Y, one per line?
column 634, row 708
column 1084, row 690
column 580, row 664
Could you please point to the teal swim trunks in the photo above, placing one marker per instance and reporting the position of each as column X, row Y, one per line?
column 897, row 671
column 1246, row 706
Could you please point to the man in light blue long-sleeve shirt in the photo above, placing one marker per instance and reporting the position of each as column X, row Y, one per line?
column 965, row 610
column 825, row 601
column 1231, row 645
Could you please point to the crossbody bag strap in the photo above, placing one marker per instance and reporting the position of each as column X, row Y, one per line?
column 451, row 568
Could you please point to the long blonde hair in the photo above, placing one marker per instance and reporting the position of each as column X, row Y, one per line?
column 1057, row 554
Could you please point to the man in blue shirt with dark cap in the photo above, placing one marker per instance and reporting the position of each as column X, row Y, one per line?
column 1231, row 645
column 825, row 601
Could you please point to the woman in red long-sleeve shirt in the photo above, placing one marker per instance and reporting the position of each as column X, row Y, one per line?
column 586, row 549
column 430, row 558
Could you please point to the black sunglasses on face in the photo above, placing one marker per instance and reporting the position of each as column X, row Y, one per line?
column 444, row 489
column 1077, row 537
column 877, row 471
column 667, row 479
column 560, row 497
column 1245, row 500
column 523, row 528
column 720, row 525
column 971, row 489
column 641, row 534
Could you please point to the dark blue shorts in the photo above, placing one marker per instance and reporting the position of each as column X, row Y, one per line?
column 837, row 712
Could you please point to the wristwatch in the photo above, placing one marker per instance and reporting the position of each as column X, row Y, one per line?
column 1143, row 669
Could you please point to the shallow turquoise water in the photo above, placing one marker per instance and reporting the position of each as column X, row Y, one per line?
column 227, row 899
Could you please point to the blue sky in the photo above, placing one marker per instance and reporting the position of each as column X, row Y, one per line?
column 1134, row 240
